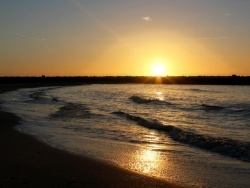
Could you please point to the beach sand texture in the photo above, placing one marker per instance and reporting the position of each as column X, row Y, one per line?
column 26, row 162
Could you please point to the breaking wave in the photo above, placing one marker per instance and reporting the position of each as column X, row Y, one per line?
column 197, row 90
column 211, row 107
column 201, row 90
column 72, row 110
column 140, row 100
column 37, row 95
column 40, row 95
column 224, row 146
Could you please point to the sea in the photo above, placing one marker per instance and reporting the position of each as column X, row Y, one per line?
column 190, row 135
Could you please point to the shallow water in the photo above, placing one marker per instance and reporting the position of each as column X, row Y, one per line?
column 172, row 132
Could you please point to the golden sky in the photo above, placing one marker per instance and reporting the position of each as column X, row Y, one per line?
column 122, row 38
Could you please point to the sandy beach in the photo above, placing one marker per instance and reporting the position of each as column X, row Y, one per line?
column 27, row 162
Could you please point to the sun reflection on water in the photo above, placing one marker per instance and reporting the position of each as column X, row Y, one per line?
column 148, row 160
column 152, row 138
column 159, row 96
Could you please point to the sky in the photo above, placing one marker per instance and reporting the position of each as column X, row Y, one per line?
column 124, row 38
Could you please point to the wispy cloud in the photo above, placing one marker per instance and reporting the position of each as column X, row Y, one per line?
column 146, row 18
column 26, row 36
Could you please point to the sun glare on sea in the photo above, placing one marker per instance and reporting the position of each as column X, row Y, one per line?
column 159, row 69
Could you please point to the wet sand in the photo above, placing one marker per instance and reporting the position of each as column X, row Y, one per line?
column 27, row 162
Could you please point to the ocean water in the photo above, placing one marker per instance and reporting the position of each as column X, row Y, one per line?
column 196, row 136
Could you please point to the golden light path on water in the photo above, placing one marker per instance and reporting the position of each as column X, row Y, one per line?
column 151, row 160
column 147, row 160
column 159, row 96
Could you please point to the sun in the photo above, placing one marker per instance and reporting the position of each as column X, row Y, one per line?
column 159, row 69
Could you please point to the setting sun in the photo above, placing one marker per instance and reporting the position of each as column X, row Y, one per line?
column 159, row 69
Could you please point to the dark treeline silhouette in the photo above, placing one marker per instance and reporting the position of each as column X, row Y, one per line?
column 67, row 80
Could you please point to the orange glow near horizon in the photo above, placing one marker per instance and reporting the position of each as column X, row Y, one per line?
column 115, row 39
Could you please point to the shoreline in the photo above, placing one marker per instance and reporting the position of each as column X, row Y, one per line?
column 27, row 162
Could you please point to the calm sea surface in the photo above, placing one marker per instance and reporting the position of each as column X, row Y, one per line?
column 196, row 136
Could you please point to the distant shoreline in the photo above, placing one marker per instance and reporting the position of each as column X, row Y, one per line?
column 76, row 80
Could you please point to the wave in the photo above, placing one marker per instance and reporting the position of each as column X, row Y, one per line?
column 141, row 100
column 197, row 90
column 55, row 99
column 211, row 107
column 72, row 110
column 41, row 96
column 202, row 90
column 224, row 146
column 240, row 107
column 37, row 95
